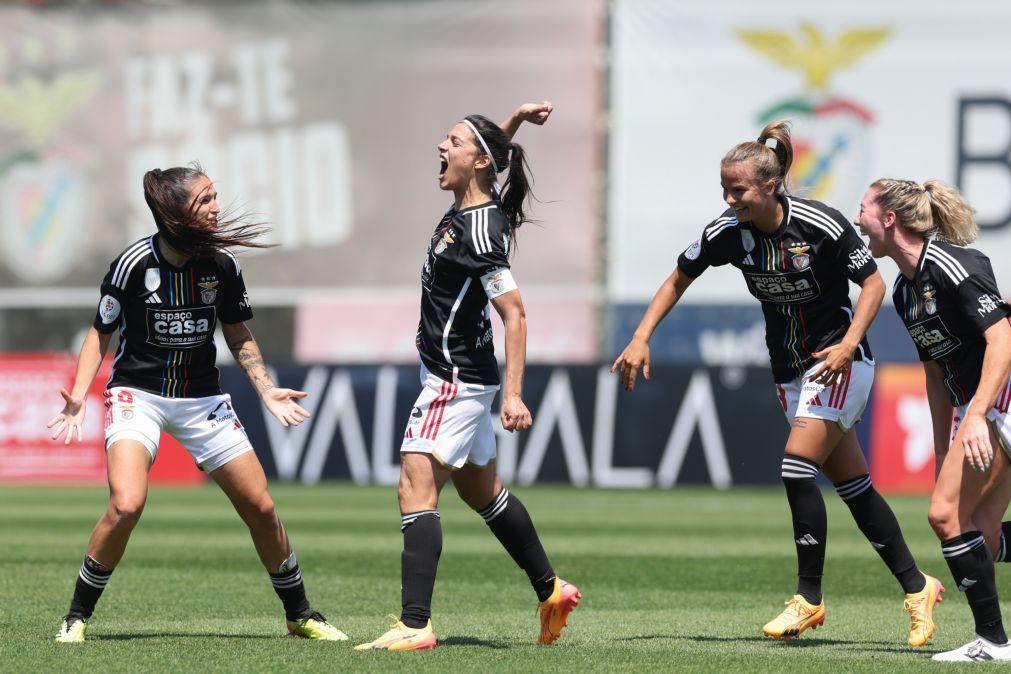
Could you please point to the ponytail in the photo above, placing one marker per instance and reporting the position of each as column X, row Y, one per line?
column 934, row 209
column 772, row 154
column 516, row 188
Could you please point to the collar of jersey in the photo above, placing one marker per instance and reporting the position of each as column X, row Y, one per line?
column 787, row 212
column 471, row 208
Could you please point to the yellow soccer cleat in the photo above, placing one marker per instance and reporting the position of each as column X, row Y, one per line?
column 920, row 607
column 798, row 615
column 72, row 630
column 400, row 637
column 554, row 611
column 315, row 626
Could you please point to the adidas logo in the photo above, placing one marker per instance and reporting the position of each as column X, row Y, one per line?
column 966, row 584
column 747, row 260
column 154, row 299
column 807, row 539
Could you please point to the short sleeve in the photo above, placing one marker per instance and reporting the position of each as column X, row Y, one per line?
column 110, row 305
column 485, row 241
column 980, row 300
column 854, row 256
column 709, row 250
column 235, row 306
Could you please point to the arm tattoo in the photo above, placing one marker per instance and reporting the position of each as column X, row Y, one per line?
column 247, row 355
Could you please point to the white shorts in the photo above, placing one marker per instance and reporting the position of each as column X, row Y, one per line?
column 998, row 414
column 842, row 403
column 207, row 427
column 452, row 422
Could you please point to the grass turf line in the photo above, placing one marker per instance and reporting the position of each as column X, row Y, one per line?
column 674, row 580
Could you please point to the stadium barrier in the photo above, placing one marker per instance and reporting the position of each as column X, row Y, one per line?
column 688, row 425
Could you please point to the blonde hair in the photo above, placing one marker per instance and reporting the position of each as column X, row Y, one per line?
column 934, row 209
column 772, row 154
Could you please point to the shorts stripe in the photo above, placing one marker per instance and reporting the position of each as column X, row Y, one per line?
column 430, row 412
column 442, row 410
column 1004, row 399
column 782, row 396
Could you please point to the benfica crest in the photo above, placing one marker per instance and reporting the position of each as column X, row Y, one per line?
column 208, row 291
column 800, row 260
column 444, row 241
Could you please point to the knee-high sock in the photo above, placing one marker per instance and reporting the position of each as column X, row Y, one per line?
column 288, row 585
column 972, row 568
column 91, row 581
column 509, row 520
column 810, row 527
column 877, row 522
column 418, row 564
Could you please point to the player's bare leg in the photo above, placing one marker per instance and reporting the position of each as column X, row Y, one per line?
column 243, row 481
column 127, row 465
column 959, row 492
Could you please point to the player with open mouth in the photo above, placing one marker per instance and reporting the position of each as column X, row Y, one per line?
column 947, row 297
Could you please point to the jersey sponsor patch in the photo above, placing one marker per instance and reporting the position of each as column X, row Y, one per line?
column 988, row 303
column 108, row 309
column 784, row 287
column 182, row 329
column 498, row 282
column 858, row 258
column 933, row 337
column 692, row 251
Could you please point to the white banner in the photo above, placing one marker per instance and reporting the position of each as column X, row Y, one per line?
column 897, row 89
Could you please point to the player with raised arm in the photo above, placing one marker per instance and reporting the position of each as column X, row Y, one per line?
column 165, row 294
column 798, row 257
column 449, row 434
column 947, row 297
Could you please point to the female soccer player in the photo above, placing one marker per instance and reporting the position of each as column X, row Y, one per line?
column 449, row 433
column 796, row 256
column 947, row 297
column 165, row 293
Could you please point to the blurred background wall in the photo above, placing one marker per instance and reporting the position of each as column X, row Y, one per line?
column 323, row 118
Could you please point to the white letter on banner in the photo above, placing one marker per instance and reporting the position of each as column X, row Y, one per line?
column 384, row 470
column 697, row 408
column 556, row 406
column 338, row 408
column 604, row 473
column 286, row 444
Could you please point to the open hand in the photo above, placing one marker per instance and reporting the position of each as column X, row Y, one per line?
column 281, row 403
column 70, row 419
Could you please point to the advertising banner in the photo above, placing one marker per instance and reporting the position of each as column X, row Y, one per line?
column 897, row 89
column 902, row 437
column 30, row 397
column 685, row 426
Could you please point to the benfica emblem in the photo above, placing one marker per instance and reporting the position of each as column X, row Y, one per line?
column 801, row 260
column 209, row 291
column 445, row 240
column 929, row 302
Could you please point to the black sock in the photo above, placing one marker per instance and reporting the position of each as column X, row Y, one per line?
column 288, row 585
column 91, row 580
column 1005, row 535
column 509, row 520
column 422, row 548
column 877, row 522
column 810, row 528
column 972, row 568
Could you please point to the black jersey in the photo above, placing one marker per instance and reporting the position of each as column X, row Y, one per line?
column 455, row 334
column 947, row 306
column 166, row 317
column 799, row 273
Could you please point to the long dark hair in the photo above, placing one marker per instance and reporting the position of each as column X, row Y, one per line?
column 167, row 193
column 506, row 155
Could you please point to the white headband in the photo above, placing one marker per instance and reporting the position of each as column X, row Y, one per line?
column 484, row 145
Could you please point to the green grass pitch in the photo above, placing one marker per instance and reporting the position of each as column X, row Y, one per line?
column 672, row 580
